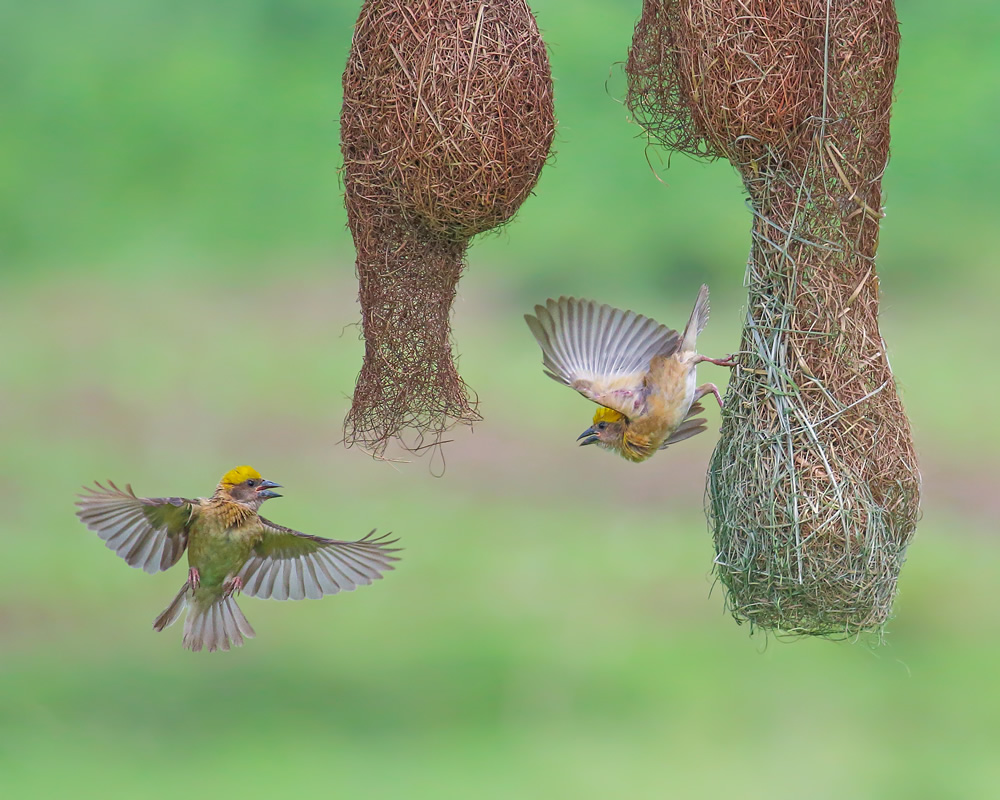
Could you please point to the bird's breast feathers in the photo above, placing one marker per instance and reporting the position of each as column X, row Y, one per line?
column 223, row 515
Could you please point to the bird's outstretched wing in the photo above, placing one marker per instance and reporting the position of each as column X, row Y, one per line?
column 600, row 351
column 148, row 532
column 288, row 565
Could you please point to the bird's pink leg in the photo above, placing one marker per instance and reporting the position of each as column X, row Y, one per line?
column 234, row 584
column 707, row 388
column 728, row 361
column 194, row 578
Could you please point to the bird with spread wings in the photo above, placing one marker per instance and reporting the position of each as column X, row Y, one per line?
column 231, row 548
column 641, row 373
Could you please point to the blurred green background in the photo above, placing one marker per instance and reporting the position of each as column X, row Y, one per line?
column 177, row 297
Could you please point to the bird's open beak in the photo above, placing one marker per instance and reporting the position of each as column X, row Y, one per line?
column 264, row 490
column 588, row 436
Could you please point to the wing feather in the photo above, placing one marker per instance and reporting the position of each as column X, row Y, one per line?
column 310, row 581
column 149, row 533
column 338, row 572
column 251, row 575
column 279, row 587
column 296, row 579
column 289, row 565
column 601, row 351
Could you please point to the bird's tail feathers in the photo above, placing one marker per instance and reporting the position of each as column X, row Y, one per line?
column 172, row 612
column 688, row 428
column 697, row 322
column 216, row 625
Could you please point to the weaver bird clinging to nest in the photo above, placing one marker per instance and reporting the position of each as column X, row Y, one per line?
column 642, row 373
column 230, row 548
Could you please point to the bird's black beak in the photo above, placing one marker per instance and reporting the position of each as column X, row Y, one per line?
column 589, row 437
column 264, row 490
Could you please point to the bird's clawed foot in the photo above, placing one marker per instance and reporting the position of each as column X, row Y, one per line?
column 194, row 578
column 708, row 388
column 234, row 584
column 728, row 361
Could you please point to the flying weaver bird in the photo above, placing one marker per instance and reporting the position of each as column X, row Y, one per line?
column 642, row 373
column 230, row 548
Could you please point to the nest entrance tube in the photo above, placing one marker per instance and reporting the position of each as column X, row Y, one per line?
column 813, row 492
column 446, row 124
column 408, row 379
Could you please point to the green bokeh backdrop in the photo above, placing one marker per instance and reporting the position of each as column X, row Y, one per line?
column 176, row 296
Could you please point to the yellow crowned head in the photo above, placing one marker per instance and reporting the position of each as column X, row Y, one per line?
column 607, row 415
column 238, row 475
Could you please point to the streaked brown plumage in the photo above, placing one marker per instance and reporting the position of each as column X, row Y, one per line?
column 230, row 548
column 641, row 372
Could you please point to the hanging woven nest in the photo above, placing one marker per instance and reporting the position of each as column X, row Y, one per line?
column 813, row 492
column 446, row 124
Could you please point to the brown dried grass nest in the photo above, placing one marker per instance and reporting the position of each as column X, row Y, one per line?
column 446, row 124
column 813, row 492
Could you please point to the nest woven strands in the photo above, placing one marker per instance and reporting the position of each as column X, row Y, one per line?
column 446, row 124
column 813, row 491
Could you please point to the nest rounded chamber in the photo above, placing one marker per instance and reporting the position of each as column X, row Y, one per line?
column 813, row 490
column 446, row 124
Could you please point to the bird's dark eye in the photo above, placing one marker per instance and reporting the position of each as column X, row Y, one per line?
column 250, row 482
column 601, row 426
